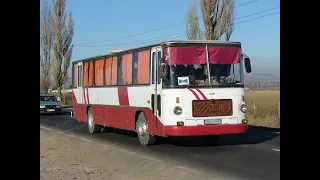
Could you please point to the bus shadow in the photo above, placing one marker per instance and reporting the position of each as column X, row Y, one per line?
column 254, row 135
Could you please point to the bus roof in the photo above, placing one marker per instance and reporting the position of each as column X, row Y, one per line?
column 168, row 43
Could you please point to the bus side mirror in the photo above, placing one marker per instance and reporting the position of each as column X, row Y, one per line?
column 163, row 71
column 247, row 64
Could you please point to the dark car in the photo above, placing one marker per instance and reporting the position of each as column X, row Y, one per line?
column 49, row 103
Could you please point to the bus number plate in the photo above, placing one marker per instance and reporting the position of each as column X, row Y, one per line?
column 212, row 121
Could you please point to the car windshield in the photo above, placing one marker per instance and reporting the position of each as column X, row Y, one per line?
column 48, row 98
column 187, row 66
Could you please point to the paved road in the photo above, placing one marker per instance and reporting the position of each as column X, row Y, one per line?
column 254, row 155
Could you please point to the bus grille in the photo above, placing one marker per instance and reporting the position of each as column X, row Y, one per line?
column 205, row 108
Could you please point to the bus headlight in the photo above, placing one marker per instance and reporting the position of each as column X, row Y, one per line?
column 177, row 110
column 243, row 108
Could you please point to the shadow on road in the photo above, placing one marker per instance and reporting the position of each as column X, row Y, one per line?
column 54, row 113
column 50, row 114
column 253, row 136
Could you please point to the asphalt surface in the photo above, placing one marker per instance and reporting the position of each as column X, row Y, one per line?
column 253, row 155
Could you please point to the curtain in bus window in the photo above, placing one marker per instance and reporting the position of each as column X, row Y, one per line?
column 197, row 55
column 144, row 67
column 98, row 72
column 186, row 55
column 75, row 75
column 114, row 72
column 86, row 74
column 90, row 81
column 224, row 55
column 108, row 71
column 127, row 68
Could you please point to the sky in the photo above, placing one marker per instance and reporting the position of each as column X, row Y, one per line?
column 103, row 25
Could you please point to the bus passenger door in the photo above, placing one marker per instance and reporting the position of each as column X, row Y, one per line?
column 80, row 92
column 156, row 54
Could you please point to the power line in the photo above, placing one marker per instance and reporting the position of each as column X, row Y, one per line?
column 127, row 43
column 166, row 37
column 257, row 17
column 257, row 12
column 246, row 3
column 93, row 42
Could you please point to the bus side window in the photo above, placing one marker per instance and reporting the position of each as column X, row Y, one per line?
column 135, row 67
column 159, row 63
column 152, row 72
column 120, row 79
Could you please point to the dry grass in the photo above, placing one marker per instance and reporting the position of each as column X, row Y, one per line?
column 68, row 100
column 266, row 113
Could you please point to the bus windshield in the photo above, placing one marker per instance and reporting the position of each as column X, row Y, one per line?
column 187, row 67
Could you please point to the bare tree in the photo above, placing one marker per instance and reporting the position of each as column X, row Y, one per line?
column 63, row 34
column 214, row 13
column 46, row 36
column 192, row 24
column 228, row 19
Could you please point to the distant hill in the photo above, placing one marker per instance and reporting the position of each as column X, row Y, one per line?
column 261, row 77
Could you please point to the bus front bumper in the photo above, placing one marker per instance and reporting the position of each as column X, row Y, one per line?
column 205, row 130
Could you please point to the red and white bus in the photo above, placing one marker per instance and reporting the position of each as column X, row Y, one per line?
column 163, row 90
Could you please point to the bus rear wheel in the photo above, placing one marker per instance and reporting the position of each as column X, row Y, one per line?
column 92, row 127
column 142, row 130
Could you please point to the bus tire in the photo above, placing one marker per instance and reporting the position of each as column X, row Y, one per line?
column 92, row 127
column 142, row 130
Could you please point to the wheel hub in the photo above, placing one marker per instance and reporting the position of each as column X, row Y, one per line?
column 142, row 129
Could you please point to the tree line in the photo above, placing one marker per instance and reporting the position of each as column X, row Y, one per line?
column 56, row 34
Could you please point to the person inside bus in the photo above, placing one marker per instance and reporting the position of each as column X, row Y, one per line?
column 182, row 71
column 219, row 72
column 191, row 73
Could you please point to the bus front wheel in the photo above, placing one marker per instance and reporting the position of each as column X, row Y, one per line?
column 142, row 130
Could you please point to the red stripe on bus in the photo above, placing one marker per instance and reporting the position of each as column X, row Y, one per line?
column 84, row 96
column 195, row 94
column 203, row 96
column 123, row 96
column 88, row 96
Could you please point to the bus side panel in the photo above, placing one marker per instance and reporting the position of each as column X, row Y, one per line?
column 124, row 118
column 83, row 112
column 117, row 117
column 77, row 108
column 79, row 112
column 154, row 123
